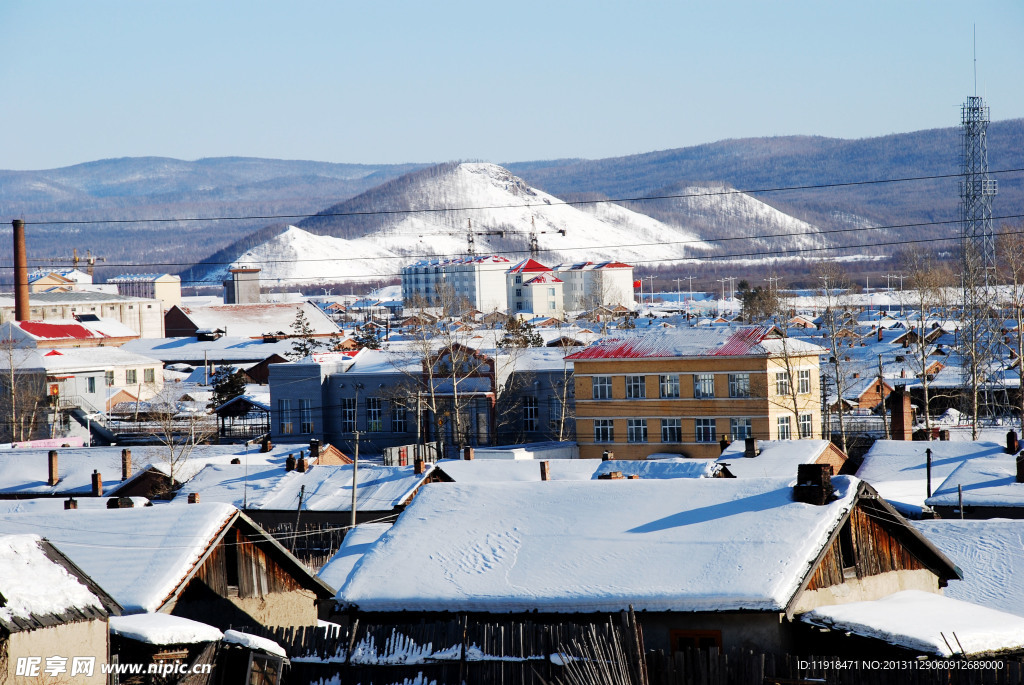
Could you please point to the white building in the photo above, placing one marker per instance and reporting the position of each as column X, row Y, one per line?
column 479, row 280
column 163, row 287
column 145, row 316
column 589, row 284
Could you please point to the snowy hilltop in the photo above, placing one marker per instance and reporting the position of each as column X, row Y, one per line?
column 433, row 212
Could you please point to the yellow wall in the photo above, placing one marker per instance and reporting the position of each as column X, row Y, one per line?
column 763, row 407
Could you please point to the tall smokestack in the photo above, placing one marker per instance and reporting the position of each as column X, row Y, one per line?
column 20, row 272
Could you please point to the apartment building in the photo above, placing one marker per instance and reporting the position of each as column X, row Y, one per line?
column 681, row 391
column 478, row 281
column 589, row 285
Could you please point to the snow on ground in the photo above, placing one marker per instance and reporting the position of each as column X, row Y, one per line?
column 898, row 468
column 990, row 553
column 163, row 629
column 925, row 622
column 681, row 544
column 33, row 585
column 254, row 642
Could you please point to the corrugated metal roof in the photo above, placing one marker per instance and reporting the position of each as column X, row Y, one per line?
column 686, row 342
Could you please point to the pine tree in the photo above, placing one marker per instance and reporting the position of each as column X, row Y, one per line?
column 304, row 343
column 520, row 334
column 228, row 383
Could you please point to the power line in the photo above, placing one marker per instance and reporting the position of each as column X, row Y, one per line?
column 436, row 210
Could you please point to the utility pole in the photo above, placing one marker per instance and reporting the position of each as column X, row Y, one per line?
column 723, row 281
column 679, row 294
column 651, row 279
column 355, row 457
column 772, row 282
column 881, row 393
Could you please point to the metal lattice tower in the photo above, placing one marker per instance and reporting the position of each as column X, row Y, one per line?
column 980, row 345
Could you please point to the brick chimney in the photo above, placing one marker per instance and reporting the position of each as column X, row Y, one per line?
column 611, row 475
column 289, row 463
column 21, row 296
column 1012, row 446
column 879, row 334
column 236, row 460
column 302, row 464
column 724, row 443
column 193, row 498
column 902, row 414
column 607, row 455
column 97, row 484
column 314, row 449
column 266, row 445
column 545, row 470
column 468, row 453
column 813, row 484
column 419, row 466
column 944, row 435
column 126, row 464
column 53, row 476
column 750, row 448
column 70, row 503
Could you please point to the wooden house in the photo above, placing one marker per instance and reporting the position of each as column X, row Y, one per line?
column 718, row 561
column 207, row 562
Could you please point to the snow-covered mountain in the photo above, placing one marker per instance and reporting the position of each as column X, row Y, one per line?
column 430, row 213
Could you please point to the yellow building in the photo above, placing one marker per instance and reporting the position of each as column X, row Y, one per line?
column 680, row 391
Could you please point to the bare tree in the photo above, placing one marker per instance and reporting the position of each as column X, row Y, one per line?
column 23, row 398
column 931, row 284
column 178, row 427
column 836, row 287
column 1010, row 249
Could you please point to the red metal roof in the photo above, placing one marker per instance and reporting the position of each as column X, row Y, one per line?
column 688, row 342
column 543, row 278
column 54, row 331
column 528, row 265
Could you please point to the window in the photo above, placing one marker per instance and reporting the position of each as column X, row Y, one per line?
column 669, row 385
column 131, row 376
column 671, row 430
column 785, row 433
column 90, row 385
column 108, row 378
column 803, row 381
column 682, row 640
column 739, row 385
column 703, row 385
column 636, row 430
column 519, row 292
column 806, row 425
column 551, row 292
column 531, row 411
column 602, row 386
column 398, row 424
column 348, row 414
column 705, row 430
column 149, row 375
column 782, row 382
column 740, row 429
column 284, row 417
column 551, row 304
column 519, row 279
column 374, row 414
column 636, row 387
column 603, row 430
column 305, row 416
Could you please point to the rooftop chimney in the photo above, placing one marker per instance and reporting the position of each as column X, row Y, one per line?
column 902, row 414
column 419, row 466
column 944, row 435
column 314, row 449
column 1012, row 446
column 21, row 306
column 236, row 460
column 289, row 463
column 53, row 476
column 879, row 334
column 71, row 503
column 266, row 445
column 97, row 484
column 724, row 443
column 813, row 484
column 468, row 453
column 607, row 455
column 611, row 475
column 545, row 470
column 193, row 498
column 1020, row 468
column 750, row 448
column 302, row 465
column 126, row 464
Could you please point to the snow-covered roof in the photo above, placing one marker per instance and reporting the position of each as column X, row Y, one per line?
column 898, row 468
column 660, row 545
column 251, row 641
column 326, row 488
column 253, row 320
column 35, row 585
column 38, row 505
column 693, row 342
column 991, row 555
column 528, row 470
column 778, row 458
column 163, row 629
column 139, row 556
column 25, row 472
column 225, row 349
column 357, row 542
column 990, row 481
column 925, row 622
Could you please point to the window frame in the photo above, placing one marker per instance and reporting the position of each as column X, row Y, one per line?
column 734, row 423
column 805, row 425
column 604, row 430
column 349, row 415
column 739, row 385
column 783, row 422
column 284, row 416
column 636, row 431
column 636, row 387
column 531, row 414
column 671, row 431
column 704, row 430
column 305, row 416
column 668, row 386
column 703, row 386
column 374, row 414
column 782, row 383
column 604, row 383
column 803, row 381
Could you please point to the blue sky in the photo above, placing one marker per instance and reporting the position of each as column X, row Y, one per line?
column 386, row 82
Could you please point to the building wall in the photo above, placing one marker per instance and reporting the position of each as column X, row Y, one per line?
column 83, row 638
column 144, row 316
column 480, row 283
column 868, row 588
column 763, row 408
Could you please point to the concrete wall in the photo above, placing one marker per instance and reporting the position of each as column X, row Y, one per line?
column 84, row 638
column 868, row 588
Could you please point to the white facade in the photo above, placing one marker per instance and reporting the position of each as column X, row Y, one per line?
column 163, row 287
column 589, row 284
column 145, row 316
column 480, row 281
